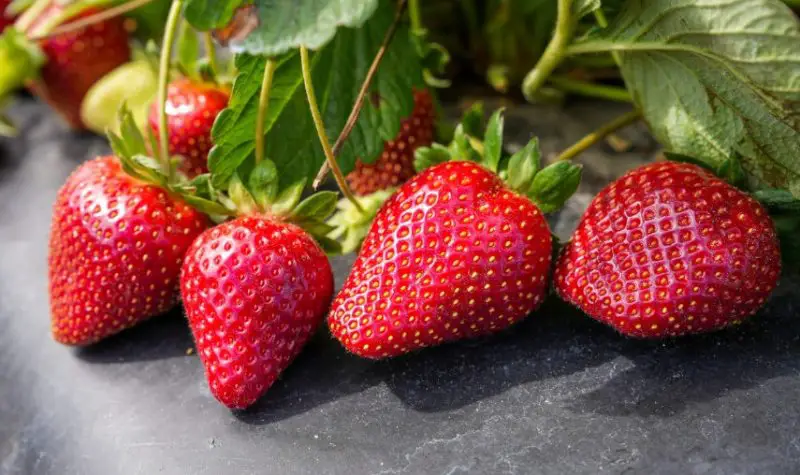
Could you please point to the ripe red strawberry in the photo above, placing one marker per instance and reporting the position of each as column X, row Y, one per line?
column 255, row 290
column 396, row 163
column 669, row 249
column 5, row 18
column 116, row 246
column 76, row 60
column 191, row 108
column 453, row 254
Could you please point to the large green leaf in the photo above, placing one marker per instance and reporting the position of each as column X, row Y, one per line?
column 284, row 24
column 208, row 14
column 715, row 78
column 338, row 71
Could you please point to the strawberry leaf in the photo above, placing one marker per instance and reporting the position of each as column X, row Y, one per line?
column 714, row 79
column 554, row 184
column 284, row 25
column 208, row 14
column 316, row 207
column 523, row 166
column 493, row 141
column 337, row 71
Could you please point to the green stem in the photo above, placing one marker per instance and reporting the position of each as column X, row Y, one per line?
column 53, row 28
column 263, row 106
column 589, row 89
column 163, row 82
column 600, row 16
column 554, row 53
column 211, row 52
column 415, row 15
column 323, row 137
column 599, row 134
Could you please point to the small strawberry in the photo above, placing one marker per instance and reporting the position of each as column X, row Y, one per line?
column 396, row 163
column 76, row 60
column 6, row 19
column 455, row 253
column 191, row 109
column 670, row 249
column 256, row 288
column 116, row 246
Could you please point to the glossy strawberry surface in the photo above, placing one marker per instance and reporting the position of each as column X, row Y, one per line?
column 78, row 59
column 669, row 249
column 116, row 246
column 396, row 163
column 254, row 291
column 453, row 254
column 191, row 110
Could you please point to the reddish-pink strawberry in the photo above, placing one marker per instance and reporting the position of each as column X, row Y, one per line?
column 116, row 246
column 453, row 254
column 255, row 290
column 669, row 249
column 191, row 109
column 5, row 18
column 78, row 59
column 396, row 164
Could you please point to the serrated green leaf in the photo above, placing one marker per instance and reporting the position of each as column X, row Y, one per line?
column 523, row 165
column 426, row 157
column 554, row 185
column 493, row 141
column 681, row 158
column 714, row 79
column 338, row 71
column 316, row 207
column 208, row 14
column 287, row 25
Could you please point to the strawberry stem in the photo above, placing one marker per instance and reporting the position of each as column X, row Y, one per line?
column 211, row 52
column 30, row 15
column 599, row 134
column 163, row 82
column 554, row 53
column 89, row 20
column 263, row 106
column 362, row 94
column 323, row 138
column 589, row 89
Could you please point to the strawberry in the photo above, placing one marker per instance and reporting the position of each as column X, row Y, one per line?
column 396, row 163
column 191, row 109
column 255, row 290
column 76, row 60
column 670, row 249
column 5, row 18
column 116, row 246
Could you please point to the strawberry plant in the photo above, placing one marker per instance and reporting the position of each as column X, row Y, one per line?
column 207, row 195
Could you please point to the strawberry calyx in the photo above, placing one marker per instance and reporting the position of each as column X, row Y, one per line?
column 548, row 187
column 20, row 59
column 350, row 225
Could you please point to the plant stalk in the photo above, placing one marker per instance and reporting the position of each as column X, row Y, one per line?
column 554, row 53
column 211, row 52
column 583, row 144
column 263, row 107
column 323, row 137
column 89, row 20
column 362, row 94
column 589, row 89
column 163, row 82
